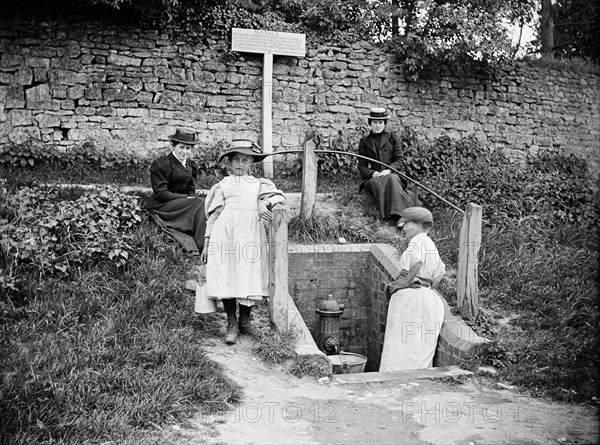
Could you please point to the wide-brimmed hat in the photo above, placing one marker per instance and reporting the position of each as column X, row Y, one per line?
column 246, row 147
column 378, row 114
column 415, row 214
column 185, row 136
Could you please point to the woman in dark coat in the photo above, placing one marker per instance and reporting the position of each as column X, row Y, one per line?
column 382, row 183
column 174, row 205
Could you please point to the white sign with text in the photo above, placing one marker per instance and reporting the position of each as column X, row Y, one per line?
column 268, row 42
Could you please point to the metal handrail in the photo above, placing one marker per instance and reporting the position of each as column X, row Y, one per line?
column 402, row 175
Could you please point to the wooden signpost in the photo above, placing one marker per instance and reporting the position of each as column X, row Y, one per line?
column 268, row 43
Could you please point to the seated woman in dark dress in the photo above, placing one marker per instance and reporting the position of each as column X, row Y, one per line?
column 389, row 191
column 174, row 205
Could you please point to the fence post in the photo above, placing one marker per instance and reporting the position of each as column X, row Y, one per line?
column 467, row 289
column 309, row 180
column 278, row 268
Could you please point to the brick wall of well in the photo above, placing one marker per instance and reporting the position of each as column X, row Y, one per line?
column 317, row 271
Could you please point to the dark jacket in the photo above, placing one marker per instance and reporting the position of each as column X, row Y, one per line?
column 388, row 152
column 171, row 180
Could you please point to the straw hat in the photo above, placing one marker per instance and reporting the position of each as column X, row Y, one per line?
column 378, row 114
column 246, row 147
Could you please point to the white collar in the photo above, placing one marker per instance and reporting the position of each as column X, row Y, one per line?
column 419, row 235
column 181, row 161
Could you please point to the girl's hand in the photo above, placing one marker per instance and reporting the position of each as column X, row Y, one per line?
column 204, row 254
column 264, row 212
column 386, row 172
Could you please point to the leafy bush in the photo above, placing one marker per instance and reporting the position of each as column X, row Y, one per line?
column 206, row 159
column 34, row 154
column 28, row 154
column 45, row 235
column 465, row 170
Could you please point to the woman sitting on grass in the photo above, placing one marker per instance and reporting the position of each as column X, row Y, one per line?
column 416, row 312
column 235, row 250
column 174, row 205
column 386, row 187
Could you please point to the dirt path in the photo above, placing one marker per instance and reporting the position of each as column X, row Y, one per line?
column 281, row 409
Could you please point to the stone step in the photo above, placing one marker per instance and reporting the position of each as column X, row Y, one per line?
column 401, row 376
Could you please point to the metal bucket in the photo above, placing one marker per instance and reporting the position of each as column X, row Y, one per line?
column 348, row 363
column 203, row 304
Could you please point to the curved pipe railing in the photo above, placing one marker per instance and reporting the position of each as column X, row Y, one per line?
column 402, row 175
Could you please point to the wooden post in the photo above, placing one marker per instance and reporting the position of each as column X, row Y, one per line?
column 309, row 181
column 278, row 268
column 470, row 241
column 267, row 119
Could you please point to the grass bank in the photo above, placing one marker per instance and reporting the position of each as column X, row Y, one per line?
column 107, row 351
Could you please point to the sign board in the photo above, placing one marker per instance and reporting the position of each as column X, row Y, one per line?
column 268, row 42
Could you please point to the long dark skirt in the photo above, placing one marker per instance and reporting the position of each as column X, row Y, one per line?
column 182, row 219
column 391, row 198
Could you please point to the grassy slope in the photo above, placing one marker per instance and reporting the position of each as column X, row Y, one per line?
column 110, row 353
column 113, row 353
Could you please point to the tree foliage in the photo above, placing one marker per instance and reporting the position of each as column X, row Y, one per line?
column 439, row 34
column 576, row 29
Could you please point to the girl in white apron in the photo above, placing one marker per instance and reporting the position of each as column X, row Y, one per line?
column 235, row 246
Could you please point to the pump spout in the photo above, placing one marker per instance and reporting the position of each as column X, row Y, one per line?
column 331, row 345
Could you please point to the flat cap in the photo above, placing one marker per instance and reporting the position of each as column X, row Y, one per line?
column 416, row 214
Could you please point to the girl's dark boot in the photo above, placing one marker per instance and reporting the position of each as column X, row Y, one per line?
column 232, row 327
column 245, row 327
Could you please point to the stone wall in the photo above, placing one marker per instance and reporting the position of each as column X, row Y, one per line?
column 127, row 88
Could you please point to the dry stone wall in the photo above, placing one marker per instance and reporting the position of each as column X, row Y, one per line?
column 127, row 88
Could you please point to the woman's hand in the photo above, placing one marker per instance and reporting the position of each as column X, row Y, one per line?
column 263, row 211
column 381, row 173
column 402, row 282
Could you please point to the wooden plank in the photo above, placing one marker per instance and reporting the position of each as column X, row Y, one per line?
column 467, row 282
column 309, row 180
column 278, row 268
